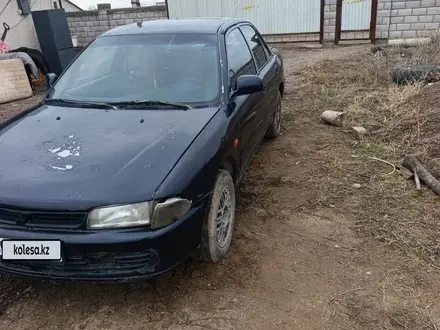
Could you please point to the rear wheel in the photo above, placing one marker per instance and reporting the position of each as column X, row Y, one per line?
column 275, row 127
column 218, row 226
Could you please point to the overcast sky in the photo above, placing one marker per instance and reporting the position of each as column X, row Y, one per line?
column 85, row 4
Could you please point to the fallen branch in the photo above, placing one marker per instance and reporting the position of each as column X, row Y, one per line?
column 411, row 163
column 385, row 162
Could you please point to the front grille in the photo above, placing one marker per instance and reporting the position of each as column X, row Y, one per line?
column 103, row 264
column 38, row 219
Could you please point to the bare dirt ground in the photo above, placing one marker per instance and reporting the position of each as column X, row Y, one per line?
column 301, row 258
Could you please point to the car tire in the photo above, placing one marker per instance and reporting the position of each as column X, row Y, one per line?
column 218, row 226
column 274, row 129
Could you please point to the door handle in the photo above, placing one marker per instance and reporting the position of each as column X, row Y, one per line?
column 264, row 90
column 277, row 69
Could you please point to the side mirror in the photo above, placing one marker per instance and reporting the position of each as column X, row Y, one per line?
column 50, row 79
column 248, row 84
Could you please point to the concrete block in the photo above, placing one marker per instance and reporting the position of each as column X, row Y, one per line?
column 395, row 34
column 427, row 3
column 432, row 26
column 399, row 5
column 417, row 26
column 330, row 15
column 405, row 12
column 412, row 3
column 397, row 20
column 383, row 13
column 423, row 33
column 419, row 11
column 433, row 11
column 402, row 27
column 426, row 19
column 409, row 34
column 381, row 27
column 386, row 20
column 411, row 19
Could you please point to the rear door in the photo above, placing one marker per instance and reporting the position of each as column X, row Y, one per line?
column 268, row 70
column 247, row 107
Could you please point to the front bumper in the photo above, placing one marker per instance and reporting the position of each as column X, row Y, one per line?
column 112, row 255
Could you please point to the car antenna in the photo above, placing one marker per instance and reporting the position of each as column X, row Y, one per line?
column 139, row 24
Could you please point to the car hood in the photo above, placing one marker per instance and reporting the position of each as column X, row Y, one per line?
column 76, row 159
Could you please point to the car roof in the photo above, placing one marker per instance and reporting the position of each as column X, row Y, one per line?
column 188, row 25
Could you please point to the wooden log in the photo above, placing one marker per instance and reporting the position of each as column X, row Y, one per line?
column 411, row 163
column 334, row 118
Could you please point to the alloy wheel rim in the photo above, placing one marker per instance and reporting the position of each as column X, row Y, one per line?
column 224, row 218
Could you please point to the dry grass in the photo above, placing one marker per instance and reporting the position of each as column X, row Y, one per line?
column 406, row 119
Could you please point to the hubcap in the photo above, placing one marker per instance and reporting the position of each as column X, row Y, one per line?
column 278, row 118
column 224, row 218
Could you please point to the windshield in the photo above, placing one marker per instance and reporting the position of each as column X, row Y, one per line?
column 168, row 67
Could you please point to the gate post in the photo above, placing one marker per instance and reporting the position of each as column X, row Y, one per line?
column 338, row 21
column 373, row 21
column 321, row 24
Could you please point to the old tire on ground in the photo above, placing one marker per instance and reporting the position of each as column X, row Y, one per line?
column 218, row 226
column 411, row 74
column 275, row 126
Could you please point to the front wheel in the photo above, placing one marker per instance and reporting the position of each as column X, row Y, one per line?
column 218, row 227
column 275, row 126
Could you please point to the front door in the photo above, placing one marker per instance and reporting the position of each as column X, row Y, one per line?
column 247, row 107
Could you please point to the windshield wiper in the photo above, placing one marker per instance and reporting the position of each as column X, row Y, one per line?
column 182, row 106
column 92, row 104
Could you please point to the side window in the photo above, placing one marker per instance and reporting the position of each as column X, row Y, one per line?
column 256, row 45
column 240, row 60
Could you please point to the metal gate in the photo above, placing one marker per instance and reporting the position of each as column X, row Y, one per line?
column 271, row 17
column 355, row 19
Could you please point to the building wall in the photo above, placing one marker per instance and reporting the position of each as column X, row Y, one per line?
column 22, row 33
column 87, row 25
column 68, row 6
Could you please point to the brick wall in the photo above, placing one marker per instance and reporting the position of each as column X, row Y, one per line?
column 87, row 25
column 329, row 20
column 414, row 18
column 407, row 19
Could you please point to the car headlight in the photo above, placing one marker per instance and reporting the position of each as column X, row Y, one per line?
column 140, row 214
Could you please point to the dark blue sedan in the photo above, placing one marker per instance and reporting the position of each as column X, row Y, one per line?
column 131, row 163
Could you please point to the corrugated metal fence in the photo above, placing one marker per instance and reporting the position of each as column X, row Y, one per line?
column 356, row 15
column 269, row 16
